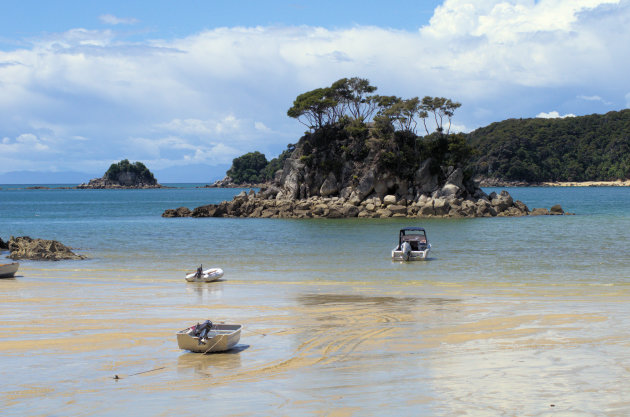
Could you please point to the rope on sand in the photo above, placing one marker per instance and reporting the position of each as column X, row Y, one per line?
column 251, row 331
column 138, row 373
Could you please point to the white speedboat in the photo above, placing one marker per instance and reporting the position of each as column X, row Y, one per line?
column 205, row 275
column 8, row 270
column 209, row 337
column 412, row 245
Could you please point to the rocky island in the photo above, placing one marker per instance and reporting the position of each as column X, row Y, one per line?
column 124, row 175
column 347, row 167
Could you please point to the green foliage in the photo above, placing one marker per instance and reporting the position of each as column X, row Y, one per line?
column 350, row 102
column 357, row 129
column 248, row 168
column 117, row 170
column 348, row 124
column 586, row 148
column 439, row 108
column 345, row 98
column 316, row 107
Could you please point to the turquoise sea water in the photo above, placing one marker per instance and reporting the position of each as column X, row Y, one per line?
column 510, row 316
column 123, row 229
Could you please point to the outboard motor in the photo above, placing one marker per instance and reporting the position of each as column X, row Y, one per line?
column 406, row 250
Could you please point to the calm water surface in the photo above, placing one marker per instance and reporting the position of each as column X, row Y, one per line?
column 511, row 316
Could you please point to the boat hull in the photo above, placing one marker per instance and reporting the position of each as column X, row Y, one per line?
column 414, row 255
column 9, row 270
column 208, row 275
column 222, row 337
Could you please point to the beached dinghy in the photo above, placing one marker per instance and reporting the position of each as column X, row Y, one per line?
column 8, row 270
column 207, row 275
column 209, row 337
column 412, row 245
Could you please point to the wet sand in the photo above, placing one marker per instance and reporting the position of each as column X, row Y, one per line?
column 312, row 347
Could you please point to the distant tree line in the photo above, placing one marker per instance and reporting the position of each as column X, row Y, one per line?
column 585, row 148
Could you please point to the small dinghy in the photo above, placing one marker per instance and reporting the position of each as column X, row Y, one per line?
column 412, row 245
column 207, row 275
column 209, row 337
column 8, row 270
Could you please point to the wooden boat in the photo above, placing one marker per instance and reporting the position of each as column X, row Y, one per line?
column 209, row 337
column 207, row 275
column 8, row 270
column 412, row 245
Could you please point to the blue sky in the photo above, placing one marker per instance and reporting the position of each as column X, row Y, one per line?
column 187, row 86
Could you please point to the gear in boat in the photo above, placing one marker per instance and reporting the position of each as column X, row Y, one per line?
column 412, row 245
column 209, row 337
column 207, row 275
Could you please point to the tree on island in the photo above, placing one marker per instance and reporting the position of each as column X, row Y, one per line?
column 126, row 173
column 253, row 167
column 248, row 168
column 363, row 124
column 356, row 136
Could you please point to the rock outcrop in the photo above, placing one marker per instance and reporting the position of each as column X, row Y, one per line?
column 258, row 205
column 227, row 182
column 104, row 183
column 23, row 247
column 178, row 212
column 333, row 173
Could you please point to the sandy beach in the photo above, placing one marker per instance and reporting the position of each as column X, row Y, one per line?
column 618, row 183
column 312, row 348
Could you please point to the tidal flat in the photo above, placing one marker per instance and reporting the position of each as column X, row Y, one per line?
column 72, row 344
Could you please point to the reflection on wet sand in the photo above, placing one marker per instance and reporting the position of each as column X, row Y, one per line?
column 421, row 350
column 205, row 291
column 210, row 364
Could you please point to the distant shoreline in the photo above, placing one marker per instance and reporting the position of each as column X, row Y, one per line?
column 482, row 183
column 618, row 183
column 498, row 183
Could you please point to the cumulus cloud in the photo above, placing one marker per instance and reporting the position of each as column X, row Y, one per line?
column 225, row 91
column 553, row 115
column 503, row 21
column 113, row 20
column 26, row 142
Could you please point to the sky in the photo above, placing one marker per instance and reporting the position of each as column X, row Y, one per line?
column 187, row 86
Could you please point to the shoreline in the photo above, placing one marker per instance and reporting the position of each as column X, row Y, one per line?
column 617, row 183
column 498, row 183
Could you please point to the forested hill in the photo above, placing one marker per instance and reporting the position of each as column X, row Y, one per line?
column 584, row 148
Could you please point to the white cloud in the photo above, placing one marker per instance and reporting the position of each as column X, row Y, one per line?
column 628, row 100
column 590, row 98
column 594, row 98
column 113, row 20
column 553, row 115
column 26, row 142
column 225, row 91
column 260, row 126
column 504, row 21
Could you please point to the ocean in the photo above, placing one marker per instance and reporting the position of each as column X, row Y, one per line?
column 509, row 316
